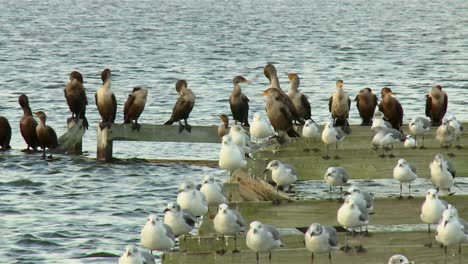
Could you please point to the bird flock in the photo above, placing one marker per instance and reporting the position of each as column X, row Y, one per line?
column 289, row 116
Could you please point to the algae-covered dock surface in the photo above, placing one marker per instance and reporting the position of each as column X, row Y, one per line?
column 395, row 227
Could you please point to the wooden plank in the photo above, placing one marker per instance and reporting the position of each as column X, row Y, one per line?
column 164, row 133
column 359, row 164
column 388, row 211
column 379, row 247
column 71, row 141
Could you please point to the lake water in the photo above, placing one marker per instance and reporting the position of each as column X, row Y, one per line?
column 54, row 212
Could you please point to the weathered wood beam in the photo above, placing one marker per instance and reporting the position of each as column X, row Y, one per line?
column 71, row 141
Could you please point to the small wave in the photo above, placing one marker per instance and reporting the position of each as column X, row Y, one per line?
column 22, row 183
column 30, row 240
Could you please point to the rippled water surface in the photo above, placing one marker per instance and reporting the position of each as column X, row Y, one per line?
column 54, row 212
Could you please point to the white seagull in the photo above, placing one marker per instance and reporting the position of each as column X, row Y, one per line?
column 192, row 199
column 282, row 174
column 180, row 221
column 379, row 122
column 214, row 191
column 260, row 128
column 156, row 235
column 385, row 138
column 352, row 215
column 263, row 238
column 431, row 211
column 445, row 134
column 404, row 173
column 451, row 232
column 240, row 138
column 442, row 174
column 133, row 255
column 410, row 142
column 399, row 259
column 336, row 176
column 228, row 222
column 310, row 130
column 458, row 127
column 419, row 126
column 332, row 135
column 231, row 157
column 320, row 239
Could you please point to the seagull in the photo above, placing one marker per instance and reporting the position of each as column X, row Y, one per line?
column 410, row 142
column 133, row 255
column 320, row 239
column 431, row 211
column 352, row 215
column 399, row 259
column 180, row 221
column 260, row 128
column 336, row 176
column 310, row 130
column 363, row 197
column 192, row 199
column 213, row 191
column 282, row 174
column 228, row 222
column 457, row 125
column 263, row 238
column 420, row 126
column 240, row 138
column 445, row 134
column 386, row 138
column 442, row 173
column 156, row 235
column 378, row 121
column 230, row 156
column 451, row 232
column 332, row 135
column 404, row 173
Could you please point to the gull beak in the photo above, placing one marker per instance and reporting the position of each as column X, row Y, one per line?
column 346, row 193
column 165, row 210
column 265, row 171
column 153, row 222
column 445, row 223
column 180, row 191
column 128, row 254
column 255, row 231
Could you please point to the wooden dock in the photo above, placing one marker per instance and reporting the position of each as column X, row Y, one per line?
column 394, row 228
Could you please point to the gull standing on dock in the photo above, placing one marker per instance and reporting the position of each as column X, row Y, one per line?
column 399, row 259
column 458, row 127
column 436, row 105
column 28, row 124
column 156, row 235
column 75, row 94
column 240, row 138
column 336, row 176
column 410, row 142
column 385, row 138
column 445, row 134
column 332, row 135
column 282, row 174
column 183, row 107
column 379, row 122
column 279, row 113
column 300, row 101
column 133, row 255
column 320, row 239
column 213, row 191
column 366, row 102
column 192, row 199
column 239, row 102
column 46, row 136
column 362, row 197
column 231, row 157
column 5, row 133
column 404, row 173
column 431, row 211
column 223, row 128
column 419, row 126
column 451, row 232
column 339, row 105
column 352, row 215
column 134, row 106
column 272, row 76
column 263, row 238
column 311, row 130
column 260, row 128
column 442, row 173
column 180, row 221
column 105, row 101
column 228, row 222
column 391, row 108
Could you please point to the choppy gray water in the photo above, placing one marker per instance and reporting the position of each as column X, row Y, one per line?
column 52, row 212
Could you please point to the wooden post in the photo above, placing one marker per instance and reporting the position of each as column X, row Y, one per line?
column 71, row 141
column 104, row 145
column 77, row 148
